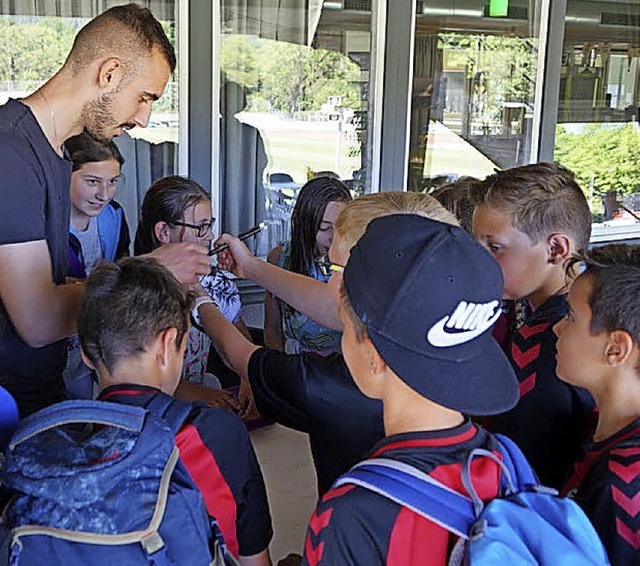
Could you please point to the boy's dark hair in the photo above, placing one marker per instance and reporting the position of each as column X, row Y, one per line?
column 167, row 200
column 307, row 215
column 129, row 32
column 454, row 197
column 615, row 273
column 125, row 306
column 83, row 148
column 542, row 198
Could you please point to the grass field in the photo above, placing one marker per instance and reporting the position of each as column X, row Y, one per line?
column 294, row 146
column 288, row 150
column 294, row 151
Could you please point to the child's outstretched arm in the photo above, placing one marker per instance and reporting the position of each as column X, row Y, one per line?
column 305, row 294
column 233, row 347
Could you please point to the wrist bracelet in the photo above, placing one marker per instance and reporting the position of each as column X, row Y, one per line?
column 196, row 305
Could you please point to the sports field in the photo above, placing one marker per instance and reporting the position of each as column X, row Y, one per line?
column 294, row 147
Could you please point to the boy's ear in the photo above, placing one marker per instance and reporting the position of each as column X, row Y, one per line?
column 559, row 248
column 161, row 230
column 166, row 344
column 87, row 361
column 620, row 349
column 110, row 73
column 376, row 363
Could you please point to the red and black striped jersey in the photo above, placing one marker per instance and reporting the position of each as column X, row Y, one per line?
column 606, row 484
column 216, row 450
column 552, row 419
column 354, row 526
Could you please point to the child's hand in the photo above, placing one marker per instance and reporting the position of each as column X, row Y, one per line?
column 236, row 258
column 248, row 408
column 221, row 399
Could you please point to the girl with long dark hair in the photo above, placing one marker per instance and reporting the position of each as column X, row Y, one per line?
column 317, row 207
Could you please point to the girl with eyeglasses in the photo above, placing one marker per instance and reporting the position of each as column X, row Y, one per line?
column 97, row 230
column 318, row 205
column 177, row 209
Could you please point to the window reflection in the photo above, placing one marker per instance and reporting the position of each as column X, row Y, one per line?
column 294, row 103
column 473, row 91
column 597, row 135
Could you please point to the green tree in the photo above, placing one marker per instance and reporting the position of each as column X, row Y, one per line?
column 607, row 156
column 33, row 51
column 296, row 78
column 239, row 60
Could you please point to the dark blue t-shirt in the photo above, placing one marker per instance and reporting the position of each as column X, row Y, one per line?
column 34, row 205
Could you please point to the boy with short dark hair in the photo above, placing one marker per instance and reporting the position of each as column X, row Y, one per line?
column 418, row 301
column 133, row 324
column 599, row 349
column 532, row 219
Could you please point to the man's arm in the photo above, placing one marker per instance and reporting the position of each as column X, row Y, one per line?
column 305, row 294
column 41, row 311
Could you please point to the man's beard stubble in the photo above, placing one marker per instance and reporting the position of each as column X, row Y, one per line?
column 98, row 118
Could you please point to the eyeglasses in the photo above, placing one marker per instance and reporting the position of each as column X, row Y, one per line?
column 327, row 267
column 202, row 230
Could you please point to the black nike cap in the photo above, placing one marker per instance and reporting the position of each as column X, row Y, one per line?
column 429, row 295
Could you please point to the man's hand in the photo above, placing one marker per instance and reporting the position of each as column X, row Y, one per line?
column 236, row 258
column 187, row 261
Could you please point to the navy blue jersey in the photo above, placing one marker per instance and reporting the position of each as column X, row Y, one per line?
column 317, row 395
column 355, row 526
column 34, row 205
column 216, row 450
column 553, row 419
column 606, row 484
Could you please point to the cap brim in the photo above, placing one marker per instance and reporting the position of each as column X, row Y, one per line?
column 484, row 385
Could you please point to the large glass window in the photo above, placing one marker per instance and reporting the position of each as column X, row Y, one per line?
column 294, row 103
column 35, row 38
column 474, row 77
column 598, row 132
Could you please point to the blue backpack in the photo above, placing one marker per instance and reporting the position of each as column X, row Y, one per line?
column 113, row 493
column 526, row 524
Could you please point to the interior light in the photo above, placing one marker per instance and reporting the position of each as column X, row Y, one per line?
column 498, row 8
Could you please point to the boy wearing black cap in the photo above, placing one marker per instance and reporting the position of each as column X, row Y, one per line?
column 418, row 302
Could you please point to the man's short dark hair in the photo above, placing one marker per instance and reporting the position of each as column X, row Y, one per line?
column 615, row 273
column 129, row 32
column 541, row 198
column 124, row 308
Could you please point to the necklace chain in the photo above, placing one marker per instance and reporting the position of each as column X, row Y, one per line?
column 53, row 116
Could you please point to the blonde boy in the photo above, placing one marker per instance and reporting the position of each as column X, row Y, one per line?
column 532, row 219
column 598, row 348
column 418, row 302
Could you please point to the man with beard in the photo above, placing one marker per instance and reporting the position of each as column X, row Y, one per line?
column 118, row 66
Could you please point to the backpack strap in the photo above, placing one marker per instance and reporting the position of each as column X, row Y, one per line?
column 521, row 471
column 79, row 411
column 173, row 411
column 416, row 490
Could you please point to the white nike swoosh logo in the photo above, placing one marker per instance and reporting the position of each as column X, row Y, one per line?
column 440, row 338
